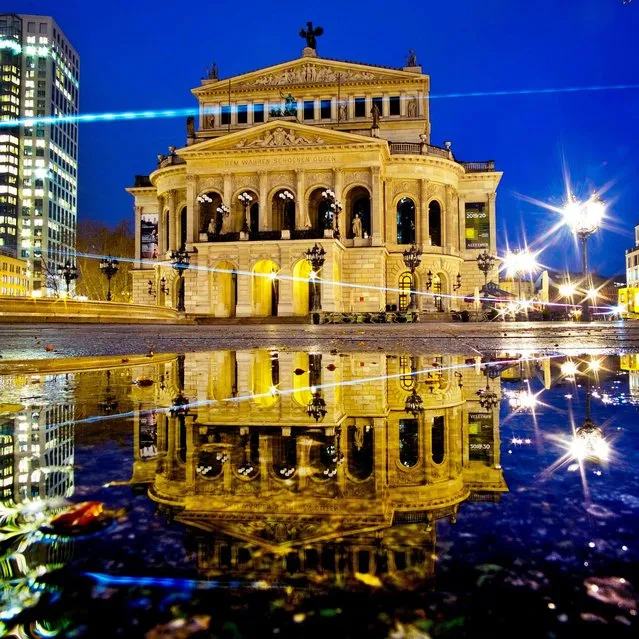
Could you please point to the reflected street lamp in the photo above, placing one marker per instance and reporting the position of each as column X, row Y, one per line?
column 68, row 272
column 315, row 257
column 584, row 220
column 109, row 266
column 336, row 209
column 414, row 404
column 180, row 261
column 412, row 260
column 316, row 407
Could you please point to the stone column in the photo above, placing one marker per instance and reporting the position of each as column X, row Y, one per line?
column 493, row 222
column 162, row 223
column 461, row 220
column 377, row 208
column 389, row 213
column 228, row 185
column 264, row 205
column 454, row 235
column 173, row 227
column 424, row 236
column 192, row 221
column 244, row 286
column 300, row 200
column 138, row 232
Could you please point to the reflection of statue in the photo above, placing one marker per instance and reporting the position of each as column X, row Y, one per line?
column 411, row 58
column 412, row 108
column 357, row 226
column 310, row 34
column 190, row 126
column 375, row 115
column 211, row 72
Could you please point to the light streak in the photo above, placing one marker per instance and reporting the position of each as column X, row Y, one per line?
column 278, row 275
column 182, row 112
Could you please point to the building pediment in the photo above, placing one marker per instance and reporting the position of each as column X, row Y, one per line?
column 308, row 71
column 279, row 134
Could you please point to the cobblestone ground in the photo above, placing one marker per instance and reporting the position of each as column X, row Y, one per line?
column 35, row 341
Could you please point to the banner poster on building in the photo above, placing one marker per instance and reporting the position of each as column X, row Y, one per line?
column 148, row 443
column 477, row 226
column 149, row 236
column 480, row 437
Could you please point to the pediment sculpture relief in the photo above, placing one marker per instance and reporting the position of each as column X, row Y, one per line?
column 279, row 137
column 310, row 73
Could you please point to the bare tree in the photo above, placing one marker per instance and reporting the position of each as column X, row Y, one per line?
column 95, row 241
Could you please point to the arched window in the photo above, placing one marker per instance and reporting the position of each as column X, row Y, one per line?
column 435, row 223
column 408, row 442
column 210, row 221
column 358, row 204
column 405, row 221
column 182, row 242
column 360, row 451
column 437, row 439
column 283, row 207
column 405, row 286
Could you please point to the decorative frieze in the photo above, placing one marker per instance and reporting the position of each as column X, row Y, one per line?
column 280, row 137
column 309, row 74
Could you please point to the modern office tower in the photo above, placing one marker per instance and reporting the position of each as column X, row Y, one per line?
column 38, row 161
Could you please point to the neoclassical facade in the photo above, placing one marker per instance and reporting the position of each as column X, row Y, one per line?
column 245, row 197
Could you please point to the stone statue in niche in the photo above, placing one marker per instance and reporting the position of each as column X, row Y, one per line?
column 211, row 230
column 357, row 226
column 190, row 127
column 209, row 120
column 342, row 112
column 412, row 108
column 375, row 114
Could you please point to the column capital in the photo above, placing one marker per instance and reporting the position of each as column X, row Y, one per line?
column 375, row 171
column 491, row 197
column 191, row 179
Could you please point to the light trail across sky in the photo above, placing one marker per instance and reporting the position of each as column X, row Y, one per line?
column 185, row 112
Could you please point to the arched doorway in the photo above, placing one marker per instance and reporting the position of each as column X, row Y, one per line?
column 209, row 220
column 265, row 289
column 408, row 442
column 358, row 204
column 405, row 287
column 436, row 290
column 223, row 290
column 405, row 221
column 438, row 449
column 182, row 240
column 265, row 378
column 302, row 288
column 319, row 211
column 283, row 210
column 435, row 223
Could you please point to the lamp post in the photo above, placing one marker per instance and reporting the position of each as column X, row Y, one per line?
column 245, row 199
column 316, row 407
column 109, row 266
column 584, row 220
column 68, row 272
column 287, row 197
column 222, row 211
column 180, row 261
column 336, row 209
column 485, row 263
column 315, row 257
column 412, row 260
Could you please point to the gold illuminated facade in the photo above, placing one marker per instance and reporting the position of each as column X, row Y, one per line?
column 14, row 276
column 245, row 196
column 629, row 295
column 264, row 487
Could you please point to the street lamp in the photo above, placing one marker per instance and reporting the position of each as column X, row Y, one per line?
column 287, row 197
column 485, row 263
column 315, row 257
column 109, row 266
column 518, row 263
column 245, row 199
column 412, row 260
column 180, row 261
column 336, row 209
column 414, row 404
column 458, row 281
column 68, row 272
column 584, row 219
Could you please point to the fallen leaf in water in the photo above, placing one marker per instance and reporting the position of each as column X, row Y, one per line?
column 299, row 371
column 369, row 580
column 331, row 367
column 48, row 348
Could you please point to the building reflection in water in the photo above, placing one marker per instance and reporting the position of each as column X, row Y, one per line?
column 266, row 488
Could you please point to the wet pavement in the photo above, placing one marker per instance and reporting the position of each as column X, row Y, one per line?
column 352, row 489
column 33, row 341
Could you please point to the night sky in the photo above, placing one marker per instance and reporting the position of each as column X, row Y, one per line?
column 138, row 55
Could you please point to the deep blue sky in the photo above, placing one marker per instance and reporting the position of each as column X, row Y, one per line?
column 144, row 54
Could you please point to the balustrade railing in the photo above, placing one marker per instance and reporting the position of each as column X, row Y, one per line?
column 170, row 160
column 479, row 167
